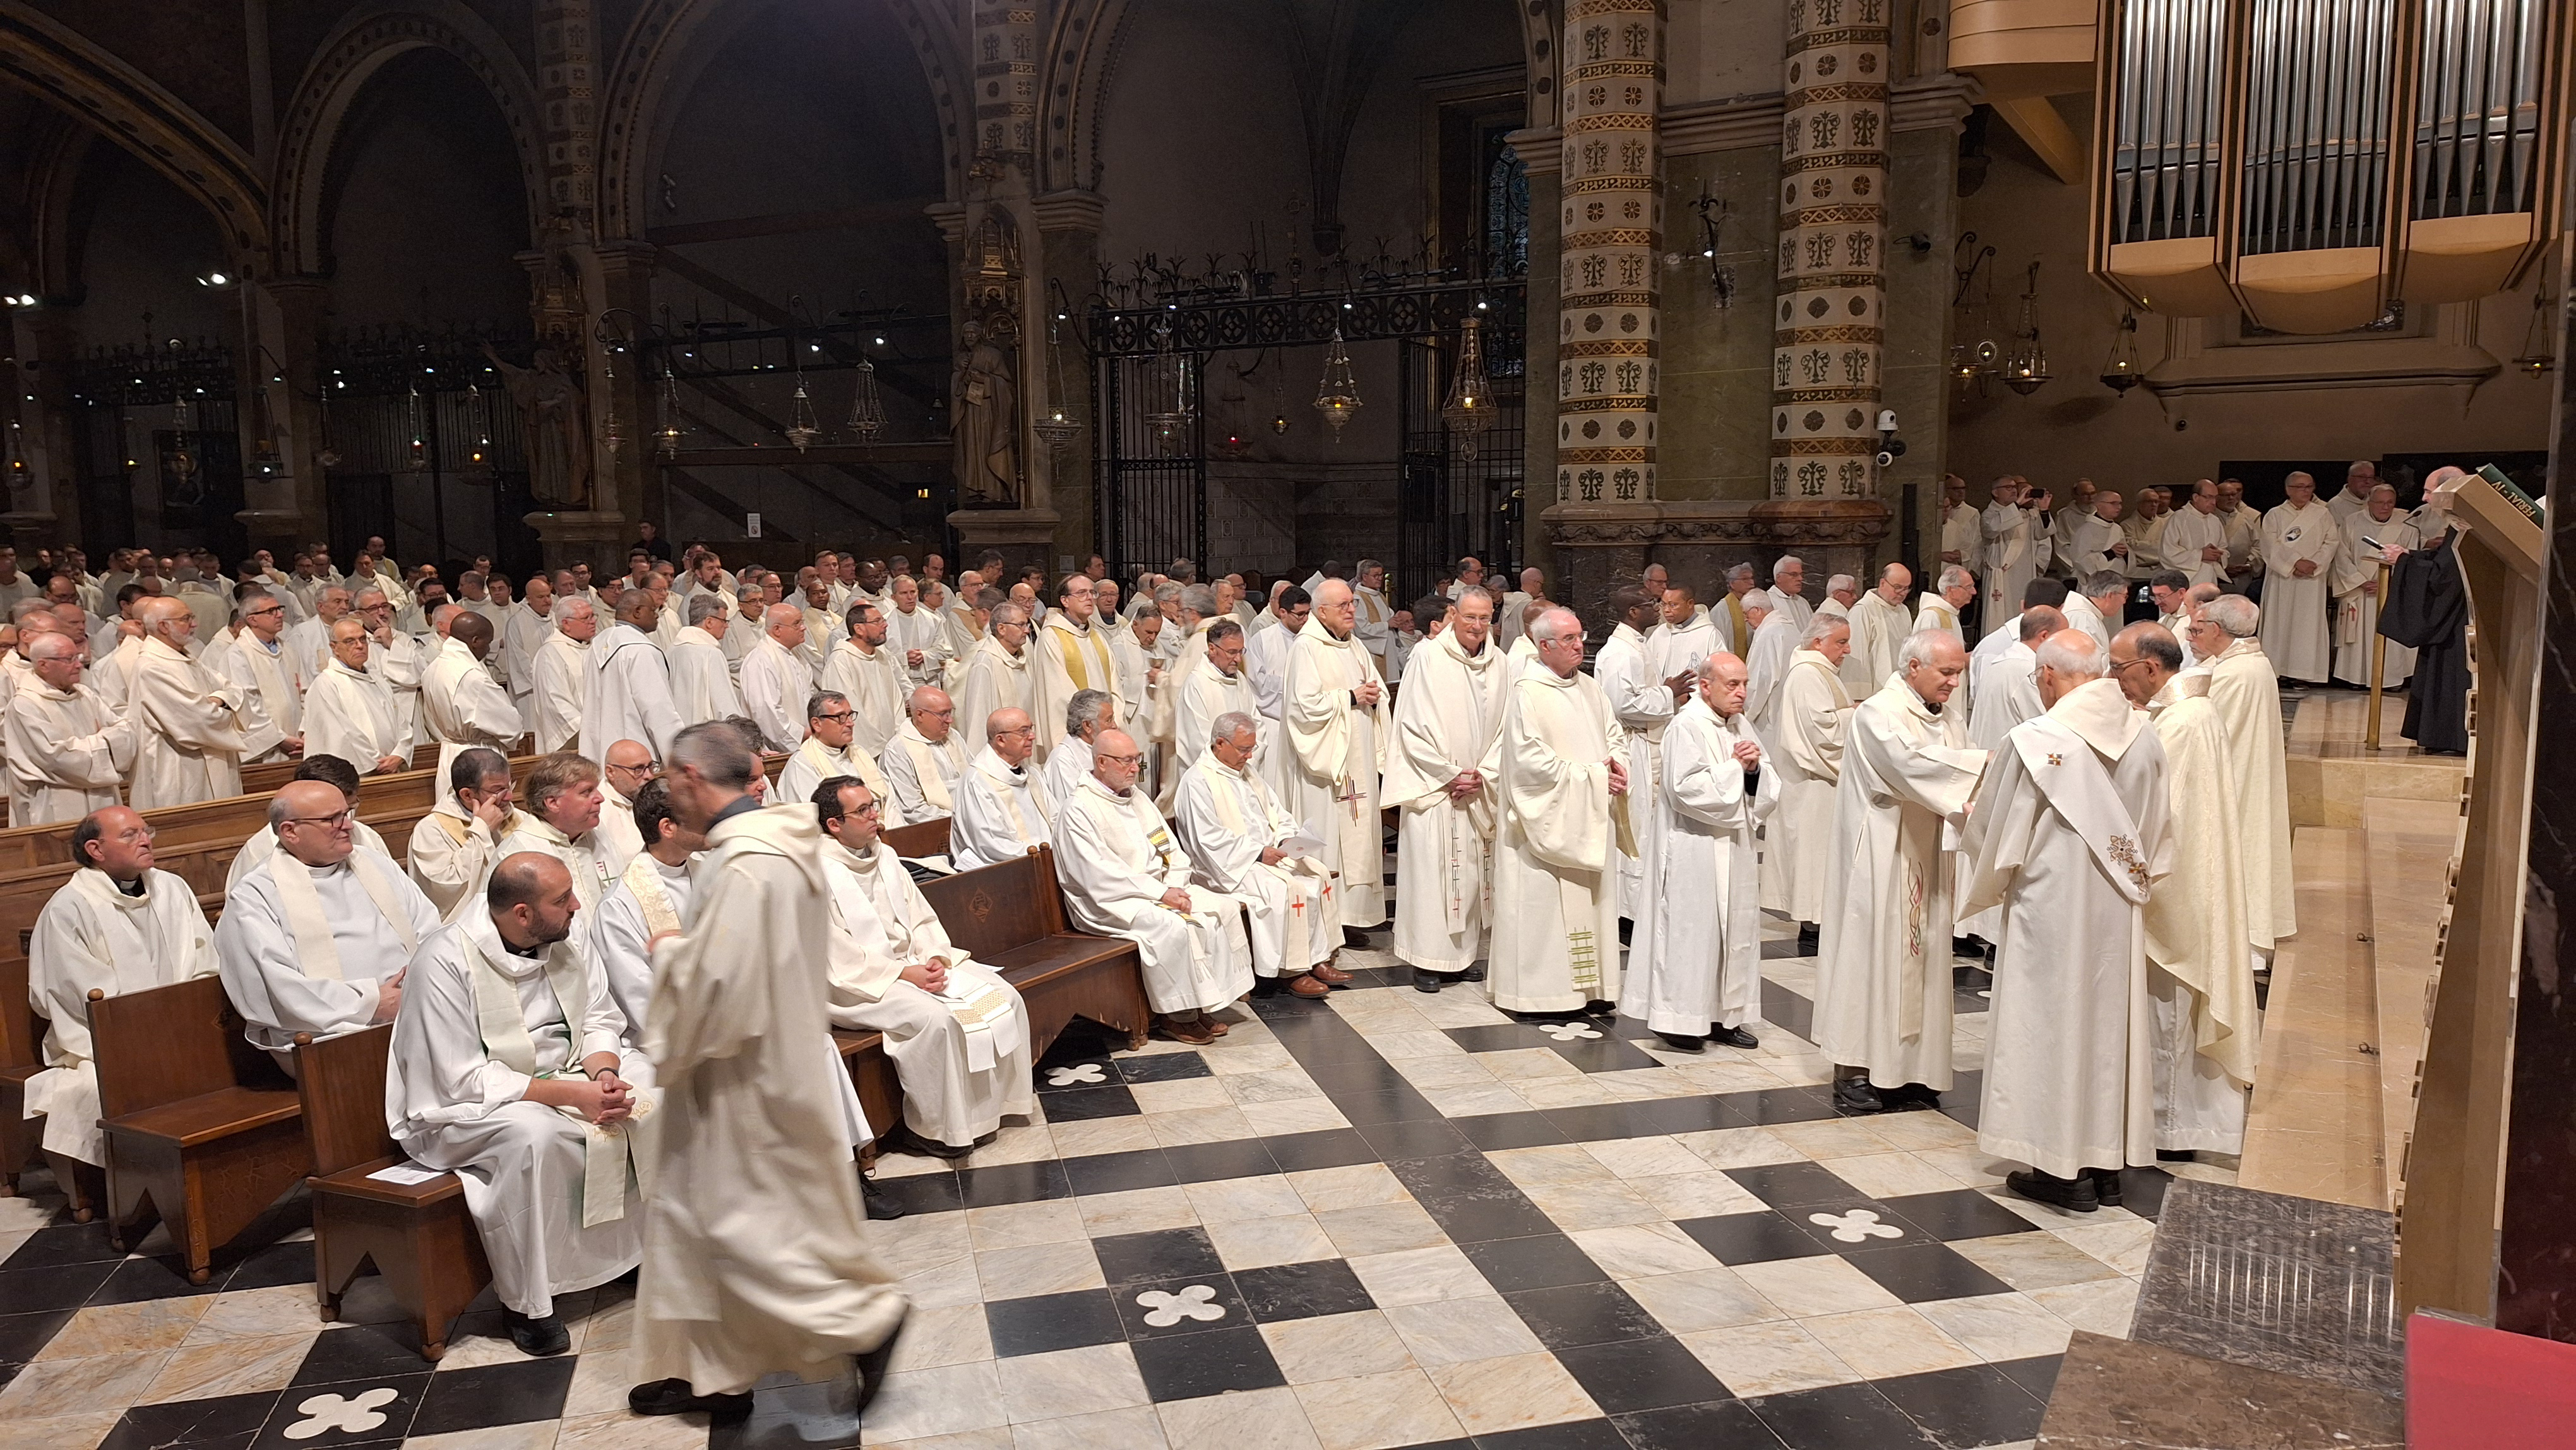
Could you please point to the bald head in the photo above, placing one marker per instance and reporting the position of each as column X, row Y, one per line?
column 2039, row 622
column 168, row 620
column 2067, row 659
column 472, row 631
column 931, row 713
column 311, row 818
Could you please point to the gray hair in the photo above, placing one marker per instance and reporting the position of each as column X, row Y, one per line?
column 704, row 605
column 2072, row 652
column 2239, row 616
column 1198, row 599
column 1005, row 611
column 2039, row 622
column 716, row 750
column 1783, row 562
column 1089, row 707
column 1955, row 577
column 571, row 604
column 1475, row 591
column 1842, row 581
column 1166, row 591
column 1552, row 625
column 28, row 608
column 52, row 646
column 822, row 700
column 1822, row 627
column 1229, row 725
column 1743, row 571
column 2104, row 581
column 1919, row 647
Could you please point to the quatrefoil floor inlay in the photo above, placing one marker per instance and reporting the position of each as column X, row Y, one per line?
column 1078, row 1072
column 327, row 1414
column 1571, row 1031
column 1856, row 1226
column 1167, row 1309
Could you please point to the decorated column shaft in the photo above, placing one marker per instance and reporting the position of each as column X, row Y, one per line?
column 1613, row 217
column 1832, row 333
column 568, row 94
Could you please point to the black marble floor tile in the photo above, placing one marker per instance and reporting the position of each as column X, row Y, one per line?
column 1752, row 1238
column 1119, row 1172
column 1540, row 1261
column 230, row 1421
column 1784, row 1008
column 1497, row 1131
column 1209, row 1162
column 1702, row 1114
column 1192, row 1366
column 1014, row 1183
column 923, row 1192
column 1640, row 1374
column 1958, row 1213
column 1841, row 1417
column 1453, row 1174
column 1727, row 1423
column 1960, row 1103
column 2039, row 1375
column 1061, row 1074
column 1414, row 1138
column 1078, row 1104
column 351, row 1412
column 1326, row 1148
column 816, row 1416
column 359, row 1352
column 1573, row 1315
column 1161, row 1254
column 1606, row 1054
column 158, row 1277
column 1854, row 1225
column 2142, row 1191
column 1478, row 1215
column 1922, row 1273
column 1302, row 1291
column 1400, row 1105
column 1497, row 1037
column 21, row 1335
column 65, row 1243
column 60, row 1286
column 273, row 1267
column 1185, row 1301
column 1571, row 1435
column 1163, row 1067
column 1045, row 1323
column 494, row 1394
column 1765, row 1106
column 1787, row 1185
column 1975, row 1404
column 1781, row 949
column 1601, row 1122
column 1373, row 1074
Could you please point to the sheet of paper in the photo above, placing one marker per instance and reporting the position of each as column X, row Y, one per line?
column 407, row 1175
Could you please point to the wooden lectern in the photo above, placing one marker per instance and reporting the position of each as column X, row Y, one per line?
column 2452, row 1189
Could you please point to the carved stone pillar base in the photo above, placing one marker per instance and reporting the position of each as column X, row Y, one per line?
column 596, row 539
column 1601, row 546
column 30, row 531
column 1024, row 536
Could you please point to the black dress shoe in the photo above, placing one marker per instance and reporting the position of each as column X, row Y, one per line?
column 871, row 1366
column 1725, row 1036
column 1474, row 973
column 878, row 1205
column 2075, row 1195
column 1679, row 1043
column 1426, row 980
column 1810, row 938
column 1855, row 1095
column 674, row 1397
column 1601, row 1009
column 2176, row 1155
column 539, row 1337
column 904, row 1140
column 2106, row 1186
column 1912, row 1095
column 1627, row 931
column 1354, row 937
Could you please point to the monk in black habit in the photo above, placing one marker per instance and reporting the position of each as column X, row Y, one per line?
column 2428, row 609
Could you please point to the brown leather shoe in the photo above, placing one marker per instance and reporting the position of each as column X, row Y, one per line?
column 1305, row 984
column 1330, row 975
column 1192, row 1034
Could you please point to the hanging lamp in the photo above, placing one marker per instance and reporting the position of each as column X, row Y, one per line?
column 867, row 409
column 1337, row 397
column 2025, row 370
column 1471, row 393
column 2120, row 370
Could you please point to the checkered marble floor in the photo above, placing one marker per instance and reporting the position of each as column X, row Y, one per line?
column 1383, row 1219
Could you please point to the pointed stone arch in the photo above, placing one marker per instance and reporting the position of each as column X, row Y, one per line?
column 358, row 47
column 75, row 73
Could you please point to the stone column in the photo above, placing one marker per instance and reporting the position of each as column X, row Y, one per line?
column 568, row 103
column 44, row 494
column 1069, row 233
column 1612, row 220
column 291, row 506
column 1832, row 305
column 625, row 486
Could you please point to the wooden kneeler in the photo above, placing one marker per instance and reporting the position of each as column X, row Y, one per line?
column 203, row 1130
column 419, row 1236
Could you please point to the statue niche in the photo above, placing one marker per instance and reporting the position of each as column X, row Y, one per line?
column 984, row 391
column 554, row 419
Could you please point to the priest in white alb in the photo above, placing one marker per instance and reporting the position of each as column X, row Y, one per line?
column 1560, row 778
column 1000, row 815
column 509, row 1068
column 916, row 633
column 702, row 679
column 67, row 749
column 261, row 666
column 463, row 704
column 1883, row 990
column 2247, row 695
column 2014, row 541
column 1446, row 720
column 316, row 939
column 1695, row 975
column 2357, row 572
column 995, row 674
column 2200, row 974
column 860, row 669
column 1072, row 654
column 1881, row 621
column 1218, row 686
column 1336, row 725
column 651, row 896
column 193, row 727
column 1809, row 721
column 559, row 672
column 350, row 710
column 2008, row 692
column 2067, row 836
column 957, row 1033
column 1244, row 844
column 1125, row 874
column 1644, row 702
column 831, row 748
column 118, row 925
column 453, row 848
column 1087, row 714
column 562, row 821
column 924, row 759
column 626, row 691
column 2300, row 546
column 775, row 681
column 755, row 1131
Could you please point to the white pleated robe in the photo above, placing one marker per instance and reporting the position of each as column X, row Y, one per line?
column 999, row 816
column 874, row 688
column 2247, row 696
column 1644, row 707
column 1810, row 722
column 992, row 678
column 92, row 937
column 555, row 674
column 466, row 707
column 923, row 775
column 2200, row 971
column 2356, row 620
column 756, row 1246
column 191, row 732
column 1446, row 721
column 284, row 982
column 1335, row 750
column 1226, row 819
column 1883, row 988
column 2298, row 623
column 350, row 713
column 920, row 630
column 1070, row 660
column 1697, row 959
column 67, row 752
column 2067, row 837
column 626, row 695
column 1559, row 833
column 775, row 688
column 2016, row 550
column 1116, row 857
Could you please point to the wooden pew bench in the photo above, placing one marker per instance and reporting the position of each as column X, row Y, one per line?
column 203, row 1129
column 419, row 1236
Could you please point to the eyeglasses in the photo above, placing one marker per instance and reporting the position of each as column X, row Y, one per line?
column 339, row 818
column 834, row 717
column 1119, row 759
column 648, row 769
column 946, row 714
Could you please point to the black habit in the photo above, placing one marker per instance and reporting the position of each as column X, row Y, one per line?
column 2428, row 610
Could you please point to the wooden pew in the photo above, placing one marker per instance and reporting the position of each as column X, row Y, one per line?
column 265, row 778
column 203, row 1130
column 1011, row 918
column 419, row 1236
column 22, row 1052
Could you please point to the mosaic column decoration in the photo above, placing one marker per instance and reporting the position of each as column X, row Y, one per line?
column 1006, row 84
column 568, row 96
column 1832, row 332
column 1606, row 370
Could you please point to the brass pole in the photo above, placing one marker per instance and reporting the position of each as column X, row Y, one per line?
column 2378, row 659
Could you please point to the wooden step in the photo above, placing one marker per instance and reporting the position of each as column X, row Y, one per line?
column 2314, row 1129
